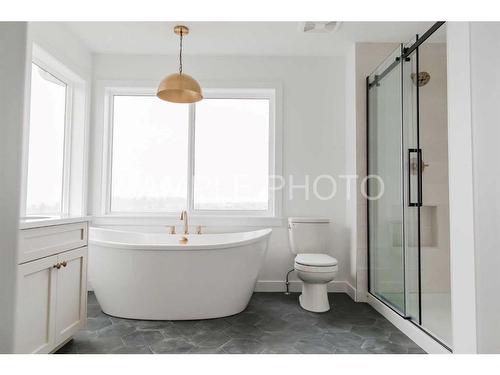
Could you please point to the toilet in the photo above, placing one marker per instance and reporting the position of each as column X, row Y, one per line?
column 307, row 239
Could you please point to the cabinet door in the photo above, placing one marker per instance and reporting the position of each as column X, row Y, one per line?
column 36, row 305
column 71, row 308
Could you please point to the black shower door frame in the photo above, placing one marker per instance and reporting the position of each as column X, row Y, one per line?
column 404, row 56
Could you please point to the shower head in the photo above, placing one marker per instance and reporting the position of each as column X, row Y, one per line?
column 423, row 78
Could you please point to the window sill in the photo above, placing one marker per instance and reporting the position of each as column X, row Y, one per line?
column 207, row 221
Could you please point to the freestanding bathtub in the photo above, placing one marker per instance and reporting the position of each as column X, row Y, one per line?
column 154, row 276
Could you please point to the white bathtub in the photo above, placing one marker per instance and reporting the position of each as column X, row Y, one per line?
column 153, row 276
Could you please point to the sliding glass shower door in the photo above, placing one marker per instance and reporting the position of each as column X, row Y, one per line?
column 385, row 214
column 407, row 186
column 393, row 184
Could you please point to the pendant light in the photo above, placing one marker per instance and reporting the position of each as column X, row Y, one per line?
column 180, row 87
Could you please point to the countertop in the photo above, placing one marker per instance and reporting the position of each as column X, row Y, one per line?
column 29, row 222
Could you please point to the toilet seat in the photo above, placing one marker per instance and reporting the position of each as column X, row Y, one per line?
column 316, row 260
column 312, row 269
column 315, row 263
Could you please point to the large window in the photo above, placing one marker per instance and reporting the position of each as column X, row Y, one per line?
column 232, row 154
column 150, row 159
column 55, row 143
column 211, row 157
column 45, row 182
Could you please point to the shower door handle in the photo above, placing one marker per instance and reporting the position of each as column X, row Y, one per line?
column 414, row 169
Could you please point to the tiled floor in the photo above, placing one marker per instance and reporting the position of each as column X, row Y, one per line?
column 272, row 323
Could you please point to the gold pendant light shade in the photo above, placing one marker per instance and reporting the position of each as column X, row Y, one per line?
column 179, row 87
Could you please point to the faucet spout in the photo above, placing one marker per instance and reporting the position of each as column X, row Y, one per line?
column 184, row 218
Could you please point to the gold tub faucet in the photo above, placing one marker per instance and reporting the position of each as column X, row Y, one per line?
column 184, row 218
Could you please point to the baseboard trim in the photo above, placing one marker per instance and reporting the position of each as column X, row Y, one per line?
column 422, row 339
column 296, row 286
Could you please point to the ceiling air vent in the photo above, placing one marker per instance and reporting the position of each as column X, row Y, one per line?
column 319, row 26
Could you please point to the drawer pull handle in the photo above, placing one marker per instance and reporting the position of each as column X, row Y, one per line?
column 64, row 263
column 57, row 265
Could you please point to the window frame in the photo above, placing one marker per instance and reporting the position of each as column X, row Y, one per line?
column 271, row 92
column 46, row 62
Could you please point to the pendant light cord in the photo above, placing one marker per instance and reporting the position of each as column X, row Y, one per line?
column 180, row 55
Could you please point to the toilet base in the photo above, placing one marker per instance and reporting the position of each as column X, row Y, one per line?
column 314, row 297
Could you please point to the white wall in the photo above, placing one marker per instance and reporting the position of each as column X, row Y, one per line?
column 485, row 90
column 462, row 255
column 474, row 94
column 350, row 164
column 13, row 42
column 313, row 131
column 58, row 40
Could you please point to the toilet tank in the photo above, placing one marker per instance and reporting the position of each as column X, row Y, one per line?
column 308, row 234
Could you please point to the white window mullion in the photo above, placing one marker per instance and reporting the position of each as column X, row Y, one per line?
column 108, row 158
column 272, row 155
column 67, row 150
column 191, row 151
column 26, row 142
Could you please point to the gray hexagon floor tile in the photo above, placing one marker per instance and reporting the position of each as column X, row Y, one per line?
column 142, row 338
column 94, row 324
column 244, row 331
column 279, row 348
column 172, row 346
column 344, row 339
column 207, row 350
column 102, row 345
column 272, row 323
column 209, row 339
column 132, row 350
column 367, row 331
column 314, row 346
column 242, row 346
column 116, row 330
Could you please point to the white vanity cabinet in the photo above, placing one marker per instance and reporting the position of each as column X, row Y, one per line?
column 51, row 290
column 71, row 295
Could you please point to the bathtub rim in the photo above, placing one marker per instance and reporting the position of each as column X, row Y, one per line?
column 260, row 235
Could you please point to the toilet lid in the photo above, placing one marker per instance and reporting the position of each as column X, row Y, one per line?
column 317, row 260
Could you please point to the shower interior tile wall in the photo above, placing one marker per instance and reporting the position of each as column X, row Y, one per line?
column 434, row 142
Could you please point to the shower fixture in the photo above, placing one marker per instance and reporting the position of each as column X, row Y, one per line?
column 423, row 78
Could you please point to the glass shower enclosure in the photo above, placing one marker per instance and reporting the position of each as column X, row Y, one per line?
column 397, row 215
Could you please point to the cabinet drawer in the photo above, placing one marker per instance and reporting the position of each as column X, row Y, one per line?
column 41, row 242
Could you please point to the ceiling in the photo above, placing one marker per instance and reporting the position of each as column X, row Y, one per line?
column 238, row 38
